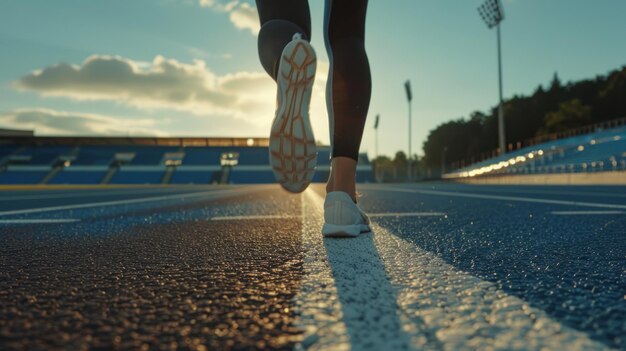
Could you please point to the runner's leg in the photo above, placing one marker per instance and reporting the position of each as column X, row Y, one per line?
column 280, row 20
column 348, row 90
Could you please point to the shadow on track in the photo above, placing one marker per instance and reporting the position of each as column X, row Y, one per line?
column 368, row 301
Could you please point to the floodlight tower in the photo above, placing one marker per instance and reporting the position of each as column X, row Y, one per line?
column 409, row 97
column 376, row 133
column 492, row 13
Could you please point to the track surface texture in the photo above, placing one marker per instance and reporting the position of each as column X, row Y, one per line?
column 447, row 267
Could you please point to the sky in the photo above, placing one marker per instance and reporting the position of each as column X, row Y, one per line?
column 190, row 67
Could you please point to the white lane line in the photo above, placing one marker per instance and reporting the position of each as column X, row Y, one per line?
column 317, row 305
column 378, row 291
column 80, row 193
column 251, row 217
column 498, row 197
column 541, row 192
column 346, row 301
column 407, row 214
column 38, row 221
column 460, row 311
column 371, row 215
column 576, row 213
column 207, row 194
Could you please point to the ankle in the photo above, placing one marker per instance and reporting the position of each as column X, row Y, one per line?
column 351, row 191
column 343, row 176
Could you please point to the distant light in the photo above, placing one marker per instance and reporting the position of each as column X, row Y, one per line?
column 616, row 138
column 67, row 163
column 540, row 152
column 172, row 162
column 581, row 148
column 530, row 155
column 250, row 142
column 592, row 142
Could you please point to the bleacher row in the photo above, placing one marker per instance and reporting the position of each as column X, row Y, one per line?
column 596, row 152
column 93, row 164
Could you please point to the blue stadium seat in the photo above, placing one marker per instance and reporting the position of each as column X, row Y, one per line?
column 6, row 150
column 22, row 177
column 137, row 177
column 599, row 151
column 150, row 155
column 364, row 177
column 202, row 156
column 253, row 155
column 321, row 176
column 44, row 155
column 191, row 177
column 98, row 155
column 323, row 156
column 251, row 177
column 77, row 177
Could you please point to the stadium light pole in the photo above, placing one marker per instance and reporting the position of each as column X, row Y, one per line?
column 443, row 160
column 376, row 133
column 492, row 12
column 409, row 97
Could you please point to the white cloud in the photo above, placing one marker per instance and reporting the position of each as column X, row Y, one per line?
column 47, row 121
column 245, row 16
column 203, row 54
column 241, row 14
column 236, row 103
column 162, row 83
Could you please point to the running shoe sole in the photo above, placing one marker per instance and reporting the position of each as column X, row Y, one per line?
column 293, row 155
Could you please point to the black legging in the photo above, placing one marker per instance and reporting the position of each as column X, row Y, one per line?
column 349, row 81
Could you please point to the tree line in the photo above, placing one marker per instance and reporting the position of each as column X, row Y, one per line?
column 556, row 108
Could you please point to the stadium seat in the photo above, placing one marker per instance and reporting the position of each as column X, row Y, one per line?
column 43, row 155
column 77, row 177
column 599, row 151
column 150, row 155
column 191, row 177
column 251, row 177
column 98, row 155
column 22, row 176
column 137, row 177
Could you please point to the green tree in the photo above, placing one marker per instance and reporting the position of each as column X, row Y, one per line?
column 400, row 160
column 571, row 114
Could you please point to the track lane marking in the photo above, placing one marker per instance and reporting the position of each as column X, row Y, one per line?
column 317, row 307
column 438, row 306
column 38, row 221
column 346, row 301
column 536, row 190
column 251, row 217
column 497, row 197
column 208, row 194
column 463, row 311
column 579, row 193
column 576, row 213
column 87, row 193
column 371, row 215
column 406, row 214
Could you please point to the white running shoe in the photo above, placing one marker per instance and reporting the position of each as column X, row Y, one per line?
column 293, row 154
column 342, row 217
